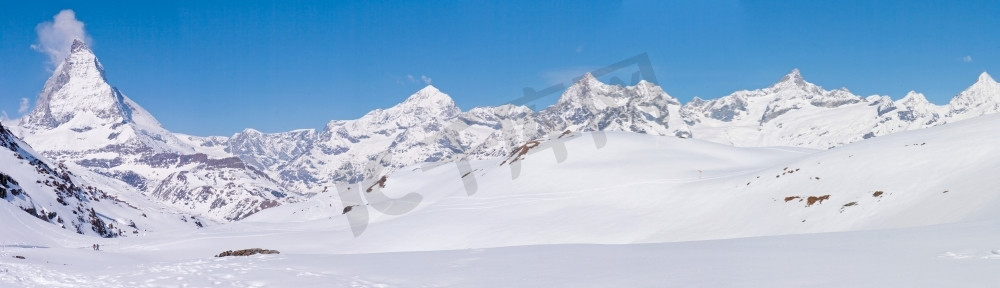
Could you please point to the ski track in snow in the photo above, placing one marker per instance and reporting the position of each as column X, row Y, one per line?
column 192, row 273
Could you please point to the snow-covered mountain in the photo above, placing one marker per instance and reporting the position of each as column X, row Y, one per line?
column 54, row 193
column 82, row 119
column 79, row 111
column 794, row 112
column 590, row 105
column 981, row 98
column 428, row 127
column 270, row 152
column 342, row 151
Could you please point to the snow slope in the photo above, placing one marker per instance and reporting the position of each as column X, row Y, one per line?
column 955, row 255
column 643, row 189
column 55, row 195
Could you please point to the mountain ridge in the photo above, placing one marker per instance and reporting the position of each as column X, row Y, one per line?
column 745, row 118
column 194, row 172
column 81, row 118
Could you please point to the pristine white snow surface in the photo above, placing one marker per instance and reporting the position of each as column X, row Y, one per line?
column 911, row 209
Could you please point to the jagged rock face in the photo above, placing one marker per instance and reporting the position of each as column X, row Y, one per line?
column 219, row 186
column 54, row 194
column 269, row 152
column 590, row 105
column 111, row 135
column 723, row 109
column 493, row 132
column 916, row 110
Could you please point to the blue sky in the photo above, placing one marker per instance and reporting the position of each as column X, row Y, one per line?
column 216, row 67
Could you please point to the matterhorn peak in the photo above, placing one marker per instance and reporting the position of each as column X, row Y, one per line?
column 77, row 86
column 81, row 57
column 78, row 45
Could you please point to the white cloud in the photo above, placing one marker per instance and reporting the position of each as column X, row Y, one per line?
column 56, row 37
column 3, row 117
column 414, row 80
column 24, row 106
column 966, row 59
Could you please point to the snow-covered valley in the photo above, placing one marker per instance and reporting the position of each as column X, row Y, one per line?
column 915, row 208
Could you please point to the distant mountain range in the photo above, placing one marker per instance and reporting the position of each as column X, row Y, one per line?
column 83, row 121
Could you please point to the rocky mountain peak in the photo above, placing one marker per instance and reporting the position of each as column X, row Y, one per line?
column 793, row 78
column 78, row 46
column 76, row 87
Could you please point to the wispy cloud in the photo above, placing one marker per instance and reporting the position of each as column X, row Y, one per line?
column 21, row 109
column 966, row 59
column 24, row 106
column 410, row 79
column 55, row 38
